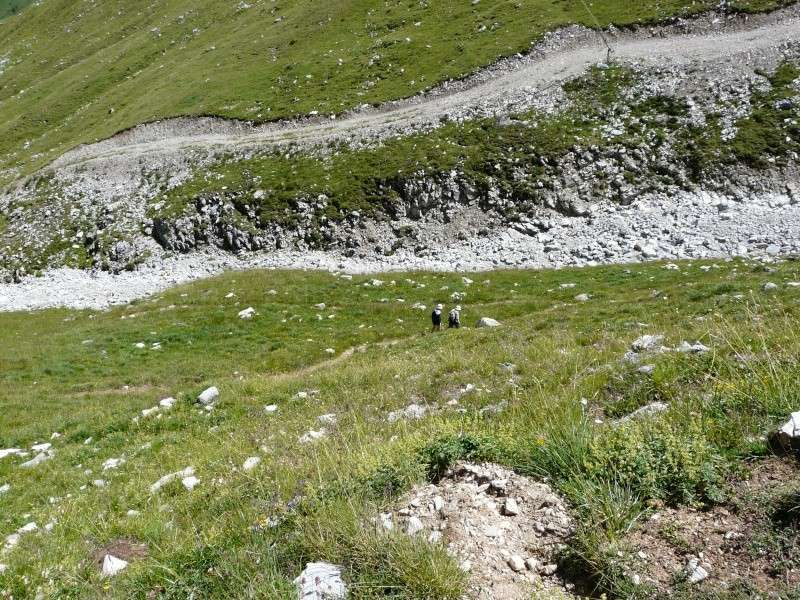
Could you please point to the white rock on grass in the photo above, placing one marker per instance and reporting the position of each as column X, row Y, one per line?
column 208, row 396
column 4, row 488
column 28, row 528
column 37, row 460
column 113, row 463
column 12, row 452
column 488, row 322
column 100, row 483
column 113, row 565
column 3, row 568
column 646, row 411
column 247, row 313
column 251, row 463
column 150, row 411
column 42, row 447
column 312, row 436
column 190, row 482
column 167, row 403
column 329, row 419
column 770, row 287
column 169, row 478
column 582, row 298
column 696, row 348
column 787, row 438
column 320, row 306
column 270, row 408
column 412, row 411
column 647, row 342
column 321, row 581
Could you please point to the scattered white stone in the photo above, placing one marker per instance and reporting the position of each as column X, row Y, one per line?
column 42, row 447
column 113, row 565
column 647, row 342
column 412, row 411
column 321, row 581
column 208, row 396
column 4, row 488
column 251, row 463
column 100, row 483
column 55, row 435
column 329, row 419
column 28, row 528
column 696, row 348
column 167, row 403
column 3, row 568
column 582, row 298
column 140, row 345
column 414, row 526
column 330, row 351
column 770, row 287
column 312, row 436
column 150, row 411
column 320, row 306
column 169, row 478
column 510, row 507
column 695, row 572
column 113, row 463
column 37, row 460
column 376, row 283
column 386, row 521
column 12, row 452
column 488, row 322
column 648, row 410
column 190, row 482
column 132, row 513
column 516, row 563
column 270, row 408
column 247, row 313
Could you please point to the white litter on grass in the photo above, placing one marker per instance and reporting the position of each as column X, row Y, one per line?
column 113, row 565
column 169, row 478
column 113, row 463
column 321, row 581
column 190, row 482
column 208, row 396
column 251, row 463
column 247, row 313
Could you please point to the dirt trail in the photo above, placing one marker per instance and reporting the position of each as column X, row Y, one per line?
column 559, row 57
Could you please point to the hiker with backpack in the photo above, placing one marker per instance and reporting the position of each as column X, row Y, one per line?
column 436, row 318
column 454, row 318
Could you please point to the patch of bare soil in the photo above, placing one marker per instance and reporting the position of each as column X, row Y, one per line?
column 123, row 549
column 735, row 545
column 506, row 530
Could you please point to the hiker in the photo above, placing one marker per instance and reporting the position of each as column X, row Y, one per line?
column 454, row 319
column 436, row 318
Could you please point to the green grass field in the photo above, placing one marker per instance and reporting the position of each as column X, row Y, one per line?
column 74, row 72
column 248, row 534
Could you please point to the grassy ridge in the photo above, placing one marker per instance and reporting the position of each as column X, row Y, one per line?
column 115, row 65
column 247, row 534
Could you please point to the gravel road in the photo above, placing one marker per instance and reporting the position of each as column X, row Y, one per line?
column 560, row 56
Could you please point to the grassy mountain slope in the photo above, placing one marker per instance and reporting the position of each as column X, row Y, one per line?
column 247, row 534
column 74, row 72
column 12, row 7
